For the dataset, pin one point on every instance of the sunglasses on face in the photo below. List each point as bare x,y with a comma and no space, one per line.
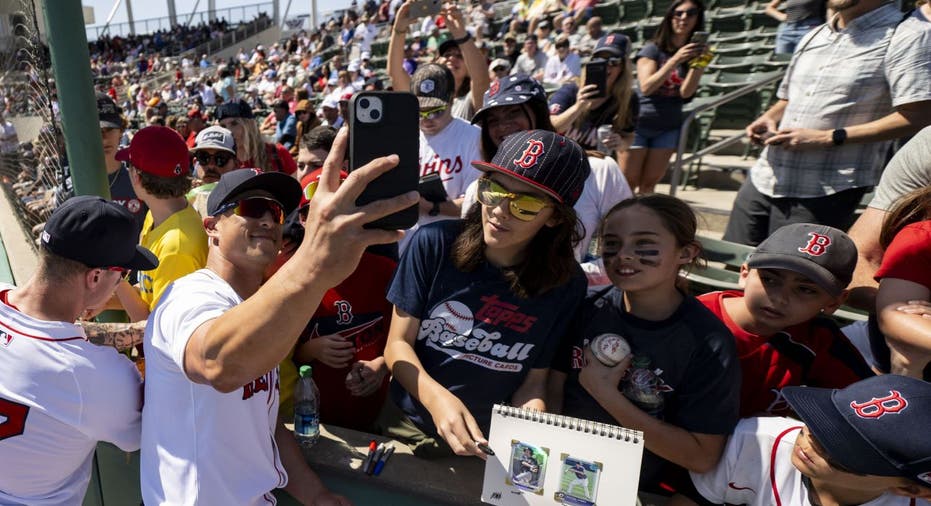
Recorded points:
522,206
254,208
436,112
685,13
221,159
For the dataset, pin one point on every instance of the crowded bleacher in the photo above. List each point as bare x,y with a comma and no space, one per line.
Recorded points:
785,360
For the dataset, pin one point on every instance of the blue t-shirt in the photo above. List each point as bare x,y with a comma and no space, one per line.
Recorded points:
477,338
663,109
585,132
695,354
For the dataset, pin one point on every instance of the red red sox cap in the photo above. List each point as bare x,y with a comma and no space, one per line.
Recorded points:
159,151
543,159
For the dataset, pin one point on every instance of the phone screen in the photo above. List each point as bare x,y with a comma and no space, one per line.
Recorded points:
596,72
699,38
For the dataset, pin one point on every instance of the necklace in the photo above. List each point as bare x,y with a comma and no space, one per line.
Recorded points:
115,178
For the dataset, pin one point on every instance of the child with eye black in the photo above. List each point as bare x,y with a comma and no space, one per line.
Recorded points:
792,282
681,383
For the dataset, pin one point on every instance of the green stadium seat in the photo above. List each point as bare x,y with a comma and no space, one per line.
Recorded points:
725,4
633,11
659,7
740,64
744,49
610,13
727,23
760,19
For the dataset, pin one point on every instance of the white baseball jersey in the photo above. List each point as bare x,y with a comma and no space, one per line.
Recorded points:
59,396
757,469
451,153
200,446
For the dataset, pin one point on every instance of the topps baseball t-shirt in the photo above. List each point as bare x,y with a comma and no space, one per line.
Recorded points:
201,446
476,337
59,396
692,353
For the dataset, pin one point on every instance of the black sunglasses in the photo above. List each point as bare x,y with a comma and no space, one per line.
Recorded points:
687,13
220,158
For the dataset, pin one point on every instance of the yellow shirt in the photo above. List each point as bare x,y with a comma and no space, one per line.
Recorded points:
180,243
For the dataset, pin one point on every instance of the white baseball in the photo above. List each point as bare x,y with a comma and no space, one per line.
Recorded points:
610,349
457,317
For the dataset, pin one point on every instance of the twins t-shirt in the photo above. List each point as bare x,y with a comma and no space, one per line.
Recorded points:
476,338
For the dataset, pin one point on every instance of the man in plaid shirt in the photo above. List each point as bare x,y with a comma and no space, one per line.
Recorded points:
854,84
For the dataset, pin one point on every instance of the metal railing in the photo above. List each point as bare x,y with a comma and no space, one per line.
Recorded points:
232,15
713,103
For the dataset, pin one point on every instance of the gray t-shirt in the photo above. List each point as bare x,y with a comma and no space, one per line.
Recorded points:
909,169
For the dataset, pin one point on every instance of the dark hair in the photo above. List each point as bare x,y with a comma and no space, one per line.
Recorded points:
320,137
663,36
913,207
540,120
164,187
550,264
677,216
56,268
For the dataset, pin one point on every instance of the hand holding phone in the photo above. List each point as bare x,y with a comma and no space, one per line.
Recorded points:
596,72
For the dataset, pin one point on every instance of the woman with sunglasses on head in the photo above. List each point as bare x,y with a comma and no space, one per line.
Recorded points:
251,148
459,54
479,303
666,82
577,113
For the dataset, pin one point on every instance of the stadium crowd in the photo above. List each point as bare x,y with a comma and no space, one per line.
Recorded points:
234,245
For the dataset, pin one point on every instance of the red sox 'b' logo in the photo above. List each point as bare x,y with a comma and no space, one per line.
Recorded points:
817,245
878,407
530,156
343,312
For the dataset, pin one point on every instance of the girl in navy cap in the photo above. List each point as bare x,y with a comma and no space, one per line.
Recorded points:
479,304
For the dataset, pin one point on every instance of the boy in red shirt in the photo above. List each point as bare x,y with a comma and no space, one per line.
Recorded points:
793,280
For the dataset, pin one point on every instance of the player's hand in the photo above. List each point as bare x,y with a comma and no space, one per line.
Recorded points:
456,424
801,139
916,307
596,377
335,236
333,350
366,377
762,129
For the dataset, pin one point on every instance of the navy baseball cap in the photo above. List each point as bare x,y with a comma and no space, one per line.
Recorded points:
240,183
510,90
97,233
235,109
615,44
108,113
823,254
546,160
877,426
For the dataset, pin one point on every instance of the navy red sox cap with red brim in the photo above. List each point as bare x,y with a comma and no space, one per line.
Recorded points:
96,233
614,44
240,183
543,159
877,426
825,255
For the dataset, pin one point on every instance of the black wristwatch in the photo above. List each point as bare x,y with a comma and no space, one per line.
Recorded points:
435,210
839,136
465,38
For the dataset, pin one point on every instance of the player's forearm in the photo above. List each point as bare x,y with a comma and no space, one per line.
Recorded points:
303,483
672,443
122,336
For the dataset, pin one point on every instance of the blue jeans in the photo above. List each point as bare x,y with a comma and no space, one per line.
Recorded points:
788,34
655,139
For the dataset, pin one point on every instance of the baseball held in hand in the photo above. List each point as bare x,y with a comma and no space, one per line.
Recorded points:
610,349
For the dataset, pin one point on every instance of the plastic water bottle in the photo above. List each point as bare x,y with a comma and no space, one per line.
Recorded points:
642,387
306,409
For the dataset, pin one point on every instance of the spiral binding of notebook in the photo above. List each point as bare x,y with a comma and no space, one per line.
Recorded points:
568,422
544,458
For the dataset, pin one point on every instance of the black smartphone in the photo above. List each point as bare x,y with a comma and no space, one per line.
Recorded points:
699,38
431,188
596,72
385,123
425,8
